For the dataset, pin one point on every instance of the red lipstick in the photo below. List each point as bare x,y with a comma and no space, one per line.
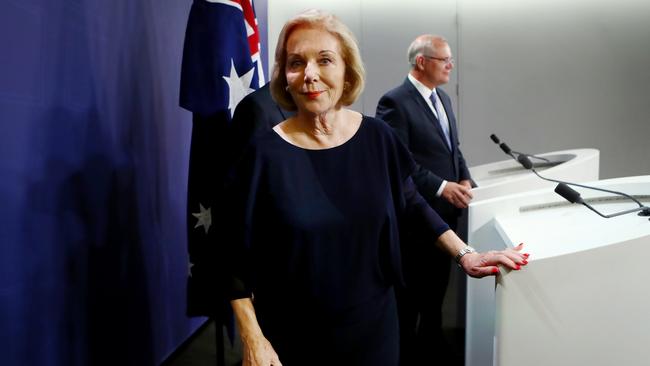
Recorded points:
313,95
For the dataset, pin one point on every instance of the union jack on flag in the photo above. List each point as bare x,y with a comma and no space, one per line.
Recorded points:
221,59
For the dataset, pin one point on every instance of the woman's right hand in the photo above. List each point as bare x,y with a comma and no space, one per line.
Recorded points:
257,351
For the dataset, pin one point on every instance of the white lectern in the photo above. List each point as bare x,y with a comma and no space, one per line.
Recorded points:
508,176
497,180
584,297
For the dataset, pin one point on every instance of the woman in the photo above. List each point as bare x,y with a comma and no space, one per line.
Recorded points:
319,202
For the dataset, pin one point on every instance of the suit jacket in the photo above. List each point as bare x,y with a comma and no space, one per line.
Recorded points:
254,115
418,128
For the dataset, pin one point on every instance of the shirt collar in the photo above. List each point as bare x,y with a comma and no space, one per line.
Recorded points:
421,88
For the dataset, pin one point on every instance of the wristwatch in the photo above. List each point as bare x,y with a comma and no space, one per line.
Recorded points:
462,252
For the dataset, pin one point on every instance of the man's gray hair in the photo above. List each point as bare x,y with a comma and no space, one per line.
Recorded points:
421,44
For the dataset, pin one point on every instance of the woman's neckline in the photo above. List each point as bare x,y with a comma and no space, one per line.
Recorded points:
344,143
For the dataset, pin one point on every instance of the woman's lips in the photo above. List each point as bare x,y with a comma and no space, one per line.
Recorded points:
313,95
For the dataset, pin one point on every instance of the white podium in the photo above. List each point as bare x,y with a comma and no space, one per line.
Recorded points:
497,180
584,297
508,176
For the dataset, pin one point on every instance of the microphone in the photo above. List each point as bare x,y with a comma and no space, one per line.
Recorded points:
568,193
574,197
525,162
506,149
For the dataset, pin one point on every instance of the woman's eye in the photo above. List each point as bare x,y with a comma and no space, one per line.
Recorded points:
325,61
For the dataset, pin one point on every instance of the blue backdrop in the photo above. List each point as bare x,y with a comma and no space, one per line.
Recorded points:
93,167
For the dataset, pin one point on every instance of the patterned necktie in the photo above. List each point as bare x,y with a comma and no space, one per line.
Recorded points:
442,117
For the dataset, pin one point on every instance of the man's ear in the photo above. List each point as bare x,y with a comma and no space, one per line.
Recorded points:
419,62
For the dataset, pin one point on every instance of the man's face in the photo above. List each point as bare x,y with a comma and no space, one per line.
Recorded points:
438,66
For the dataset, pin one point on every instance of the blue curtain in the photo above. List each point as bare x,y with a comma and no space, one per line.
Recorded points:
94,157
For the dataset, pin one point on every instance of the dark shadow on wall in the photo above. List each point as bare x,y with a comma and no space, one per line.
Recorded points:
101,298
98,261
94,195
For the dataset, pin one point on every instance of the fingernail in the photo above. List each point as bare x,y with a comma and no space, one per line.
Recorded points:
518,267
495,270
520,244
524,261
526,255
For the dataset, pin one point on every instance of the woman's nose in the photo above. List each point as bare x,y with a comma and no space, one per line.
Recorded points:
311,73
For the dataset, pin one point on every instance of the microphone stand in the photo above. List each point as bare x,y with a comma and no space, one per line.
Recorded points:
506,149
527,164
573,196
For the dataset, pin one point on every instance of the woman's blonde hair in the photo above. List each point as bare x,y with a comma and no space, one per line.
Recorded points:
354,71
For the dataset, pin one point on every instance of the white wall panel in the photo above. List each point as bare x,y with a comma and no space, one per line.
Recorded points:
549,75
388,28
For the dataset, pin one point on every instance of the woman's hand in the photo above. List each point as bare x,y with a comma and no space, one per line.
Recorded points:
486,264
257,351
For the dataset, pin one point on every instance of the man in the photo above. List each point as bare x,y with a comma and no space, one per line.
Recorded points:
255,114
421,114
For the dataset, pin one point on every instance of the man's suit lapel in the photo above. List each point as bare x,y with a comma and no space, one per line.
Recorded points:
415,94
453,134
446,102
417,97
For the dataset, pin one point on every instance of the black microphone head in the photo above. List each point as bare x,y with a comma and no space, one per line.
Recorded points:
505,148
524,161
568,193
495,138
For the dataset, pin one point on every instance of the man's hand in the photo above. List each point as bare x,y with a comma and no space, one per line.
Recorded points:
458,194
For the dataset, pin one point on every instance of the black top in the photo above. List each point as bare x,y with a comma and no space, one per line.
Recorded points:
320,228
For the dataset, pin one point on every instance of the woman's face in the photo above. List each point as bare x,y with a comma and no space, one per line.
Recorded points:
315,70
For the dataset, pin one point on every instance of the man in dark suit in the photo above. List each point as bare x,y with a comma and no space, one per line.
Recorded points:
255,114
421,114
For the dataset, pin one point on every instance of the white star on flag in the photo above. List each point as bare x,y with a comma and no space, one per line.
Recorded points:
238,86
204,218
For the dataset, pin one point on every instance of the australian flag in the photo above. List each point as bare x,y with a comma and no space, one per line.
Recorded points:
221,65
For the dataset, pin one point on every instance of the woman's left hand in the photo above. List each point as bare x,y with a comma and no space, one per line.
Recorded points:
486,264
